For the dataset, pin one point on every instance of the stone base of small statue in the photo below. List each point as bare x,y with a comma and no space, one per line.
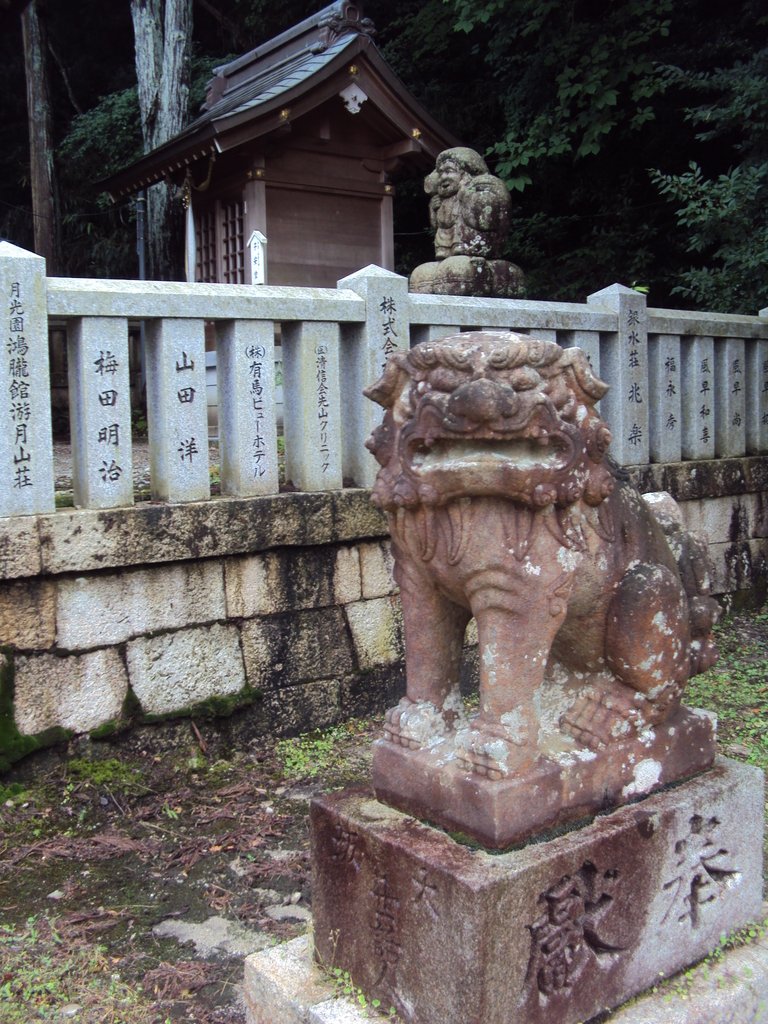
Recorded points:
469,275
553,933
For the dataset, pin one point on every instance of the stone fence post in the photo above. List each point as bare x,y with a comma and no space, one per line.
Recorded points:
26,447
365,348
757,393
624,365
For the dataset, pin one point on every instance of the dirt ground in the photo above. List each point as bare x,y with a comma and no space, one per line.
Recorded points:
178,848
132,843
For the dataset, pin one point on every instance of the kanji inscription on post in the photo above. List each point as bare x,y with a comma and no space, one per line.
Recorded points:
323,406
256,355
19,389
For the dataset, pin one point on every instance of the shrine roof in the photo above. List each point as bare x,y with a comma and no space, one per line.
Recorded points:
265,90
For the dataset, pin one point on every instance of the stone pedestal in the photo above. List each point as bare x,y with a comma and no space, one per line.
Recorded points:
549,934
571,785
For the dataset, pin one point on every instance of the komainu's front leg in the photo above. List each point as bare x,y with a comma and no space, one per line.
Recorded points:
516,626
647,648
434,636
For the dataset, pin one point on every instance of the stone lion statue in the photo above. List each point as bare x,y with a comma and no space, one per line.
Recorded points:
503,506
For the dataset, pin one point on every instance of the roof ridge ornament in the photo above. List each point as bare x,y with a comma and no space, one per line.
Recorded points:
338,20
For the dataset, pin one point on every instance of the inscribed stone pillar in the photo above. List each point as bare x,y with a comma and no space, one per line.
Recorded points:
698,400
176,409
624,363
730,427
26,448
757,396
247,424
665,418
100,419
312,409
367,347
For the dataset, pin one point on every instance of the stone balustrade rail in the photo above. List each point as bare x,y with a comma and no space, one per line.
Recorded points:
684,385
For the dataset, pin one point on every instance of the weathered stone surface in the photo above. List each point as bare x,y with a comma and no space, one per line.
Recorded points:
376,566
294,648
549,934
377,631
332,1011
372,692
175,671
702,478
100,403
26,457
739,566
591,613
247,583
365,347
28,614
732,989
282,984
313,432
108,609
728,990
469,213
280,581
19,547
215,936
726,519
80,540
433,784
625,365
310,705
347,584
78,693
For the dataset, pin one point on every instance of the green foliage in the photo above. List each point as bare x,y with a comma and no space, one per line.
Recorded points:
592,73
41,975
109,773
736,687
724,217
306,756
593,95
726,223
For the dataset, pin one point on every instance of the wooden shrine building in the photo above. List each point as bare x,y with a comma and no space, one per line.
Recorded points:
297,144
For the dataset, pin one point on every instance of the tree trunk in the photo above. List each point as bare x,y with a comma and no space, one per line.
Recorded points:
41,172
163,36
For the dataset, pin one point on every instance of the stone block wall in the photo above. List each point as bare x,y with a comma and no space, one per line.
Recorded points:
726,500
282,608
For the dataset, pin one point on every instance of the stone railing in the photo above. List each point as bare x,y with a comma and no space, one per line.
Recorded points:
683,385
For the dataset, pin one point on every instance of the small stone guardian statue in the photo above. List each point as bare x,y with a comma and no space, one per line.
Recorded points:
469,213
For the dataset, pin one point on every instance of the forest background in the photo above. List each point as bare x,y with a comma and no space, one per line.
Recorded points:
633,134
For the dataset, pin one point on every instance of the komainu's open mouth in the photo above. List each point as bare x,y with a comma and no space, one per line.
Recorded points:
519,454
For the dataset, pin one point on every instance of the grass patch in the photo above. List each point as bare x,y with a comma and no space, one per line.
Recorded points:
736,688
44,978
108,772
323,751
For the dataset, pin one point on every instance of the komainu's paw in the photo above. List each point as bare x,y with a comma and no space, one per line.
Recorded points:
487,750
602,717
420,724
